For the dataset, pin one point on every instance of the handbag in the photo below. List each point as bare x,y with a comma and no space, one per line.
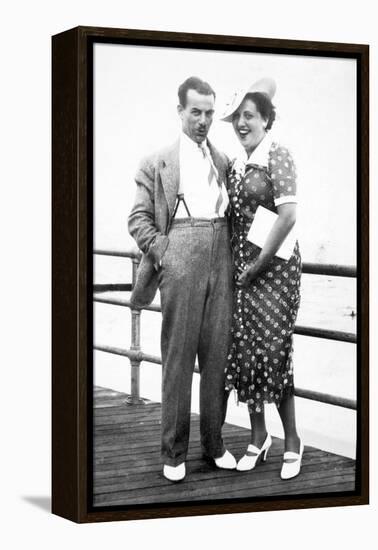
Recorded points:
261,227
146,284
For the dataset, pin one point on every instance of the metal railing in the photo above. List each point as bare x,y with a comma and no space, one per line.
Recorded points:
136,355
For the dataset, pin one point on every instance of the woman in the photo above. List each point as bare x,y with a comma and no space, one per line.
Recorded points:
266,296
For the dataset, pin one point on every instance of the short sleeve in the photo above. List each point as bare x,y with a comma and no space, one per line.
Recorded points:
283,175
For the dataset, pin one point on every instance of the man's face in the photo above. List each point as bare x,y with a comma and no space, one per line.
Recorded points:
197,115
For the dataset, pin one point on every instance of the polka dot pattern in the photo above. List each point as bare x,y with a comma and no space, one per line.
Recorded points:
260,365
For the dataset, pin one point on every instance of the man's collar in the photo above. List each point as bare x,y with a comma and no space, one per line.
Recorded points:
260,155
188,143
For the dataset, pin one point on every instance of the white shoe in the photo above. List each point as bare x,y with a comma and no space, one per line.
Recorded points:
226,461
292,469
174,473
250,459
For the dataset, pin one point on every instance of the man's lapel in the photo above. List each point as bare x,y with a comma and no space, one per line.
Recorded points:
170,175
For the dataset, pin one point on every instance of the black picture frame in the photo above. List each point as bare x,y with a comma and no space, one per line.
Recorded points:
72,267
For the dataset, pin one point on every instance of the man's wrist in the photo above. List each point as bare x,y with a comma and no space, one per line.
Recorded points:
157,249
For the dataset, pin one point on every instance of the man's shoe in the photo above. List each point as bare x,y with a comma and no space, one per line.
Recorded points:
174,473
227,461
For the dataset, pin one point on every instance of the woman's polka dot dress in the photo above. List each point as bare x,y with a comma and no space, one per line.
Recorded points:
260,365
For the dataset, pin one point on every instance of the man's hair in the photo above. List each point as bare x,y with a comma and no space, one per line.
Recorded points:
193,83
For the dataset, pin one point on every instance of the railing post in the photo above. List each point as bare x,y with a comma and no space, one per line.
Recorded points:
135,346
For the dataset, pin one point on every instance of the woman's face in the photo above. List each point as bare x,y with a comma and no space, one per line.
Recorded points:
249,125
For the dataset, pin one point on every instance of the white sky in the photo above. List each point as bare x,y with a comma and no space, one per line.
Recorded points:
135,114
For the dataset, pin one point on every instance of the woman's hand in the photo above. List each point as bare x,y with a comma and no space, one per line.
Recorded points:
278,233
247,275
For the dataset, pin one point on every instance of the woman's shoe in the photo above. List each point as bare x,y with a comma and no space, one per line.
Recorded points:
292,469
253,454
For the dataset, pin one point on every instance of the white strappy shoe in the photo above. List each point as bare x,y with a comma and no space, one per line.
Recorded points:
292,469
253,454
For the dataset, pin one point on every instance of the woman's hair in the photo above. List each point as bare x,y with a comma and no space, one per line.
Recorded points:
264,106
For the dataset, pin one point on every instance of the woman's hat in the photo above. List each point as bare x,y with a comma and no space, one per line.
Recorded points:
264,85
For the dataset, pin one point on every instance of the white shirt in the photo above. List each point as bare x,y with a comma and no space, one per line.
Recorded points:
200,195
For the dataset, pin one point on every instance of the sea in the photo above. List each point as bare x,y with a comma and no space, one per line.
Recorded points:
319,364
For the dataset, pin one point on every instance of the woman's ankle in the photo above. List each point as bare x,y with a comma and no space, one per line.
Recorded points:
258,438
292,442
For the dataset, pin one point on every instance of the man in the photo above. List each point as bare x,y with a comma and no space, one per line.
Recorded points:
178,222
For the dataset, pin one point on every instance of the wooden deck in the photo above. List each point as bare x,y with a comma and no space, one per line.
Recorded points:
127,466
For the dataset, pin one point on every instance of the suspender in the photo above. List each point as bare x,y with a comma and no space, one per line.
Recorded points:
180,198
212,171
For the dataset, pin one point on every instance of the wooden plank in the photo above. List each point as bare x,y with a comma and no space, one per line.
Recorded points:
261,476
196,470
119,445
231,490
197,467
101,405
125,418
188,491
125,458
128,469
132,467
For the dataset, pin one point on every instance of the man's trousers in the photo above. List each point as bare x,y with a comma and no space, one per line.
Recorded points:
195,282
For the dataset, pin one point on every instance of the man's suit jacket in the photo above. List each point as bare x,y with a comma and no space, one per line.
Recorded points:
157,180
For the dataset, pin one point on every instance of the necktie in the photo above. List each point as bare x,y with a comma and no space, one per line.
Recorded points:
212,172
